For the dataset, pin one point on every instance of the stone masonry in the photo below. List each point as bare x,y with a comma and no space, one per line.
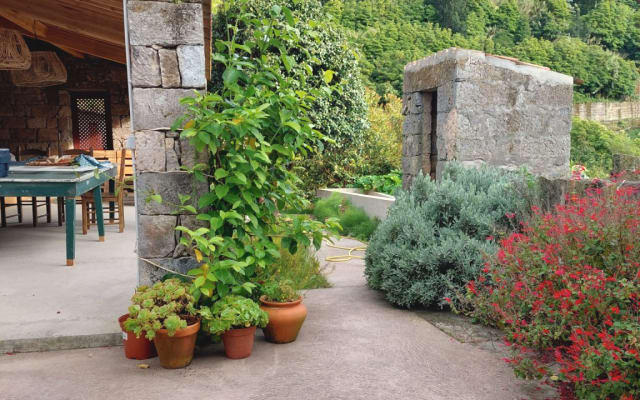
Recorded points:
478,109
167,62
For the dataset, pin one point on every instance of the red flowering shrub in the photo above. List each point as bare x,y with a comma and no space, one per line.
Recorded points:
566,290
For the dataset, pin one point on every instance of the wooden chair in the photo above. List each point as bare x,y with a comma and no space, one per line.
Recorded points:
108,196
60,201
77,152
34,202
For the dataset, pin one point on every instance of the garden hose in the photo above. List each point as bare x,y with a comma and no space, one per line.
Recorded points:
346,257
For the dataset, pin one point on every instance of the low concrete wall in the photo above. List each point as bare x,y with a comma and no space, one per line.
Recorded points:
374,204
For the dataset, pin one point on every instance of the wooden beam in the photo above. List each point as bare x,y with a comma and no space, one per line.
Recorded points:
71,42
5,23
99,19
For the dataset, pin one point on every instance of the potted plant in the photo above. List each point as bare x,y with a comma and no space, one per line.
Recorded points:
235,318
286,312
165,313
137,348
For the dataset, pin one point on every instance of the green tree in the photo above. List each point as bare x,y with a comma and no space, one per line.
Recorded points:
609,23
551,19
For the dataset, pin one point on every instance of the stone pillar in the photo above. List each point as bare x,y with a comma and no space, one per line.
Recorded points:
167,61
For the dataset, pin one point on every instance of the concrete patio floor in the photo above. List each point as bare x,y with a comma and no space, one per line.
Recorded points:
46,305
354,345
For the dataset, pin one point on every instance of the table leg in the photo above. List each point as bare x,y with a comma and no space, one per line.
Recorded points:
3,215
60,203
112,205
97,203
70,211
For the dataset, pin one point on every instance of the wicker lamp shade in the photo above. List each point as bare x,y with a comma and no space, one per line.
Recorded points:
46,70
14,53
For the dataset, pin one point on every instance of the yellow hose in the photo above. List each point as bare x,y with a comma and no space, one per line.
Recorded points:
346,257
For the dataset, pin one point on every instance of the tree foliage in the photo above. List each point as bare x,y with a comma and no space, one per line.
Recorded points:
574,37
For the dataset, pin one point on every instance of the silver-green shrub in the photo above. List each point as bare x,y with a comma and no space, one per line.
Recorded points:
437,234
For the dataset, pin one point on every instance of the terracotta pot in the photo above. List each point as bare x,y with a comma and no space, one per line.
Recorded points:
238,343
285,319
136,348
176,351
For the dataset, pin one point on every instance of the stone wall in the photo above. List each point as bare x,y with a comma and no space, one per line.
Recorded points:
31,117
477,109
608,113
167,61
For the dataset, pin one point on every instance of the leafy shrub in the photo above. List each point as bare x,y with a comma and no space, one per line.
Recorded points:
592,145
568,286
232,312
165,305
388,183
353,220
435,236
281,291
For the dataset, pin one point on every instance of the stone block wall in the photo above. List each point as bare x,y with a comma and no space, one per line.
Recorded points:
167,62
608,113
31,117
477,109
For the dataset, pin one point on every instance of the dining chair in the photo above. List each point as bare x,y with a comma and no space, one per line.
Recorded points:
34,202
60,200
116,196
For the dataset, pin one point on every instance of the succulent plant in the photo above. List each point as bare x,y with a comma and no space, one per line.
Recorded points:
165,305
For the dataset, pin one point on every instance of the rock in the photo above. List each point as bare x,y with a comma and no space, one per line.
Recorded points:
192,68
156,235
157,108
188,156
168,185
150,151
145,67
165,24
173,164
169,68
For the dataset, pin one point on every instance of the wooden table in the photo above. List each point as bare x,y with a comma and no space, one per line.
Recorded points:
67,182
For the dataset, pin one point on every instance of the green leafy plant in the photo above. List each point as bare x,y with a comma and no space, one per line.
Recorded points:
281,291
352,220
165,305
436,235
252,127
232,312
388,183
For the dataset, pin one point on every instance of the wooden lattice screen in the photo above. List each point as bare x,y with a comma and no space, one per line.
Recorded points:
91,114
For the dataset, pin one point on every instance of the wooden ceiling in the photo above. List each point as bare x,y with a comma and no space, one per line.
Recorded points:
79,27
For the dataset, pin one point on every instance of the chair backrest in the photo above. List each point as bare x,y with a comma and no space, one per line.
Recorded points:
120,158
77,152
30,153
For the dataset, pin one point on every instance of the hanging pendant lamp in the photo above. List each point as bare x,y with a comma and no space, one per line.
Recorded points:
46,70
14,53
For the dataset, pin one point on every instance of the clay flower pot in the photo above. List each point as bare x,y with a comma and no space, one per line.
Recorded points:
176,351
285,320
238,343
136,348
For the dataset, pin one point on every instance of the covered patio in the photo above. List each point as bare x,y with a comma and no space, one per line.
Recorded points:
123,76
46,305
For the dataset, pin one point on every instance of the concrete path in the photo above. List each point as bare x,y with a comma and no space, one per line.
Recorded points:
43,302
354,345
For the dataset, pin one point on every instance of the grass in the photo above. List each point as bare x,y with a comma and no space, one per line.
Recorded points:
302,268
